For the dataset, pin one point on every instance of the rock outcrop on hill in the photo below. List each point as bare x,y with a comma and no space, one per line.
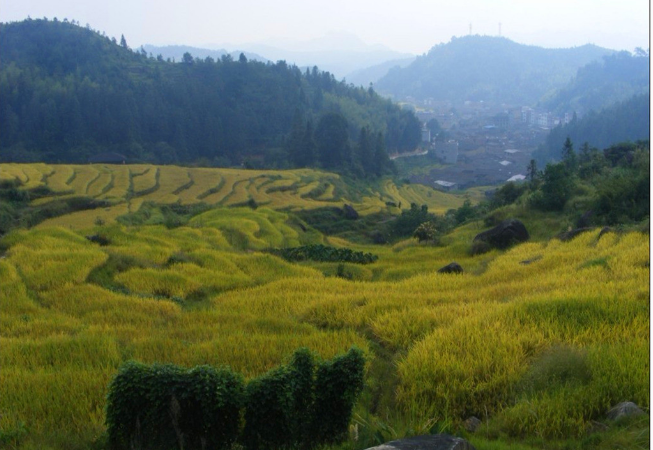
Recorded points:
507,233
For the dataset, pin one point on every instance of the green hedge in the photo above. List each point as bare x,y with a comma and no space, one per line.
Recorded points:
303,405
165,407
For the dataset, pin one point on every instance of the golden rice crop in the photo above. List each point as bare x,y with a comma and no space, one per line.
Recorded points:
13,172
101,184
145,181
171,179
84,176
203,181
81,220
120,183
60,180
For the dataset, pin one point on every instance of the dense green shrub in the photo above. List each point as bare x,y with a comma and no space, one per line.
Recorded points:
410,219
165,406
324,253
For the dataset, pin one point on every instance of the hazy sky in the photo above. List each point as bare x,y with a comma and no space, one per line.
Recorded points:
405,25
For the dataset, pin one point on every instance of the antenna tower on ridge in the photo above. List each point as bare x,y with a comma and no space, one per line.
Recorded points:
499,28
470,28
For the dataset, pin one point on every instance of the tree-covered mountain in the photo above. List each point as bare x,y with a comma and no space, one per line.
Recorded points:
492,69
623,121
68,92
615,78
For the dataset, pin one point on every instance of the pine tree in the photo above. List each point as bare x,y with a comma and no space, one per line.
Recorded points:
569,156
531,172
294,141
365,154
382,162
308,145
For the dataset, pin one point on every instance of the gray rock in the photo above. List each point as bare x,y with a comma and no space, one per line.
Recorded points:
569,235
624,409
430,442
350,212
507,233
472,424
452,267
603,231
529,261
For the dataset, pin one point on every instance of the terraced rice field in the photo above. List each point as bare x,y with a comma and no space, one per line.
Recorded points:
539,340
127,187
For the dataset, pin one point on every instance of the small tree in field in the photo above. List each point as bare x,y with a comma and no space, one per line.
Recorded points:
426,232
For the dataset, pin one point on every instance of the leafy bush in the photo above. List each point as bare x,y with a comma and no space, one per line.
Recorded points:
426,232
409,220
324,253
151,407
557,186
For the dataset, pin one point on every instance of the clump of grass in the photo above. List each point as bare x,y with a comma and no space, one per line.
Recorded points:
557,366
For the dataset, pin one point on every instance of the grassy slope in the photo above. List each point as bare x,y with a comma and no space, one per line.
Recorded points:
448,346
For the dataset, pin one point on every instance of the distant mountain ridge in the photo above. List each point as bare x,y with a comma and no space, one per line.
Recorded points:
176,52
338,53
363,77
492,69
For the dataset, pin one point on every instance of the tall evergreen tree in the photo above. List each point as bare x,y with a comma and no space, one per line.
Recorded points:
382,162
332,139
308,145
365,153
294,141
569,156
531,172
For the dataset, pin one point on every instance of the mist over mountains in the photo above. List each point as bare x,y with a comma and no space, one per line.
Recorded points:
342,54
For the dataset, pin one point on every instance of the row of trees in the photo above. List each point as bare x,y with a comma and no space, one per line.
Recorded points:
67,93
329,146
622,121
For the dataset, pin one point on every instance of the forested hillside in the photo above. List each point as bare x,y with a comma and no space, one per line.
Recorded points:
624,121
68,93
602,83
490,69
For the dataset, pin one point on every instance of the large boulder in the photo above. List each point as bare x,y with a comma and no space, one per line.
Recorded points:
507,233
349,212
452,267
624,409
430,442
